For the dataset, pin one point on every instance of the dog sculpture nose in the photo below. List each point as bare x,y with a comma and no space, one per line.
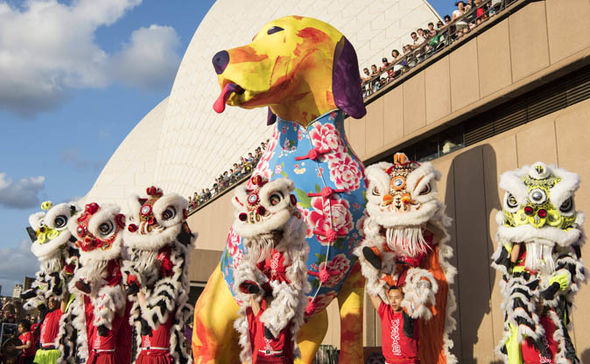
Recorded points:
220,61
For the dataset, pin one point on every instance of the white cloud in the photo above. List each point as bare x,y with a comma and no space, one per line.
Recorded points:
47,48
149,60
16,264
20,194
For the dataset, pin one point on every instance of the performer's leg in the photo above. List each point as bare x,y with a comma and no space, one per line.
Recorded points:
350,301
214,338
311,336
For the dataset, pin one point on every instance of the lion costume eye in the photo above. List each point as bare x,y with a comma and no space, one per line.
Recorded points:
274,29
375,191
275,198
567,206
60,221
106,228
425,190
169,213
511,201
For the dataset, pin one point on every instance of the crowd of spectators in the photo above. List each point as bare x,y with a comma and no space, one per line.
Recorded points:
239,170
425,42
19,332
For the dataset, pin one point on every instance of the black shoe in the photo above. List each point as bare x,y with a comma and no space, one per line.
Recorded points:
372,258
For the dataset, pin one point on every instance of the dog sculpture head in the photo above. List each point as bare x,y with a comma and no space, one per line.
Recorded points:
299,67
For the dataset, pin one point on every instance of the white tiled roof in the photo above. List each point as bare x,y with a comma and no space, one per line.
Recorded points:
195,144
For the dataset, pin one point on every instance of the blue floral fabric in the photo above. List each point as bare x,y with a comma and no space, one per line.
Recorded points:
330,189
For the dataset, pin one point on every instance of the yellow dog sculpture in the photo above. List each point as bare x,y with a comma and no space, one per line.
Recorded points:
301,68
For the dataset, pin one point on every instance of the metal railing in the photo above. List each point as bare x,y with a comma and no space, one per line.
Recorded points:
452,32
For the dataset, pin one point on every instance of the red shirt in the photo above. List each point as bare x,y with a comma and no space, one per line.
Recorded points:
530,354
50,328
160,337
24,338
95,341
396,346
279,350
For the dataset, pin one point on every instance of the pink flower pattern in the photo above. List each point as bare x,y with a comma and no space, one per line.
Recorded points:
233,242
345,172
320,302
327,137
336,268
319,218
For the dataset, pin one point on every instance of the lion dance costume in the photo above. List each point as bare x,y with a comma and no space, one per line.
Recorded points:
406,246
306,72
273,271
159,243
58,257
100,319
539,237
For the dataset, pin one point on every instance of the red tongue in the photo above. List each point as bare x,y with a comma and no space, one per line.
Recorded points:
219,105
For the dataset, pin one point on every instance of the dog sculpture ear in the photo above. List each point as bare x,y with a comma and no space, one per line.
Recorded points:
346,80
271,118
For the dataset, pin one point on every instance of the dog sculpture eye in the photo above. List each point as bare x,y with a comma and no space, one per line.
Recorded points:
60,221
274,29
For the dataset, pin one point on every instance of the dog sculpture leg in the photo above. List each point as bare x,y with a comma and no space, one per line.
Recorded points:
311,335
214,337
350,300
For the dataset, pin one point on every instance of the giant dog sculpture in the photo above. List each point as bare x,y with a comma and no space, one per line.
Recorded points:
306,72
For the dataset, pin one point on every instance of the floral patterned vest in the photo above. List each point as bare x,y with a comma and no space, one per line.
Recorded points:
330,189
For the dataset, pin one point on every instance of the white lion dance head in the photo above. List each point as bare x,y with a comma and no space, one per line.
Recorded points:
52,245
401,199
265,213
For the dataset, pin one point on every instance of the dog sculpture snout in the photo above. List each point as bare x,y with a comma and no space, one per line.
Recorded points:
220,61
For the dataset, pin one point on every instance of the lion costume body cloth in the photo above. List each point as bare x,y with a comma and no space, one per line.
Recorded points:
159,243
406,246
306,73
99,312
539,256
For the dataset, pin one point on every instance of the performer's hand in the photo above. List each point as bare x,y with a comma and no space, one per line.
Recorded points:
141,299
145,328
268,334
82,286
102,330
372,258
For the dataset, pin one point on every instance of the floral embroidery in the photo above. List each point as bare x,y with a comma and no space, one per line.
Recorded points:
323,209
345,172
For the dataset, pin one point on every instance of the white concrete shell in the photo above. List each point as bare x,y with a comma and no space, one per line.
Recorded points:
191,143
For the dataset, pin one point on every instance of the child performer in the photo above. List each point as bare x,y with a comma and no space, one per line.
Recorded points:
399,332
26,338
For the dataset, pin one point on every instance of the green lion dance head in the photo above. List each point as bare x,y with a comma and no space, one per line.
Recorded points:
538,210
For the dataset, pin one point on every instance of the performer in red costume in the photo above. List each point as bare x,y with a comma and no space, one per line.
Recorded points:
48,352
156,275
271,279
26,338
99,309
399,332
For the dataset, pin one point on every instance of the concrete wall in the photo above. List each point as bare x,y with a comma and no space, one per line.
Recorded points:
507,56
530,46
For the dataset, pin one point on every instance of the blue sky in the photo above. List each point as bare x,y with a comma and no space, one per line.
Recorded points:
75,78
